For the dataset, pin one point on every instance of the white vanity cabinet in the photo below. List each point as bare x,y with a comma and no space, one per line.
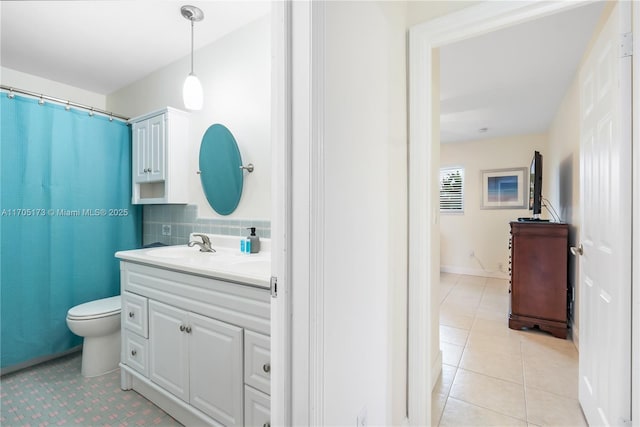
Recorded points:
159,157
198,359
206,360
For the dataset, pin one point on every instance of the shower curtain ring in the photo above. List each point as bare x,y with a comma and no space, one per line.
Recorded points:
41,102
91,112
67,107
11,95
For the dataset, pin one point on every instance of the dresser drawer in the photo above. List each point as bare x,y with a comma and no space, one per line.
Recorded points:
257,408
257,361
135,352
134,314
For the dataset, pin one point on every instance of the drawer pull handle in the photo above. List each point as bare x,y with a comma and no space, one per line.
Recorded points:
131,314
266,367
134,352
182,328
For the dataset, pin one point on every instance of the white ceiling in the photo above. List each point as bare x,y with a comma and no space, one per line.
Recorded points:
102,46
513,80
509,81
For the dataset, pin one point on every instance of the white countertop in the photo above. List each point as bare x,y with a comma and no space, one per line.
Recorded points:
227,263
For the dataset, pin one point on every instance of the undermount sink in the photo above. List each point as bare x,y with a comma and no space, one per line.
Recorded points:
227,263
177,252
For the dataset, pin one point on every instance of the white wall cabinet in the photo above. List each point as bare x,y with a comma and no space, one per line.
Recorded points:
149,149
159,157
206,360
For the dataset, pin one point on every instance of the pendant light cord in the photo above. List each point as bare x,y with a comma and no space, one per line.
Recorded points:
191,45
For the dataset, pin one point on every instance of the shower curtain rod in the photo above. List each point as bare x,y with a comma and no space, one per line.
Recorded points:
62,101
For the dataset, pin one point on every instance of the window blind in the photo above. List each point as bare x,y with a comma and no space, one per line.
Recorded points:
451,190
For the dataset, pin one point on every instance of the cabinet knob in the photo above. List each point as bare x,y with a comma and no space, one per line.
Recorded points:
182,328
188,329
131,314
266,425
134,352
266,367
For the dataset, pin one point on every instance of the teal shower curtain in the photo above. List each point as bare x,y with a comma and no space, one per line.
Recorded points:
65,206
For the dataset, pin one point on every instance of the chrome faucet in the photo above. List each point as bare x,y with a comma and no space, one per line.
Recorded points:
205,246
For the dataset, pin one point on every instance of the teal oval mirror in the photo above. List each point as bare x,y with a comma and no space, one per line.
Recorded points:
220,169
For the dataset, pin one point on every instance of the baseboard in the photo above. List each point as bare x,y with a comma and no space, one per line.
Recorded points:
473,272
436,369
575,337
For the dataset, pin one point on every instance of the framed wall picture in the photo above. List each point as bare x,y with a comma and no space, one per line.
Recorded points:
504,189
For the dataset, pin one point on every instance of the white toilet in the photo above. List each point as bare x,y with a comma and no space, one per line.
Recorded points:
99,323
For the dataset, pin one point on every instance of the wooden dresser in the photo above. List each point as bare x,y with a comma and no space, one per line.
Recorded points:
538,267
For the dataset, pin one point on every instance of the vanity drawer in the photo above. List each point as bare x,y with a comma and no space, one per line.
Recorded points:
257,408
134,314
135,352
257,361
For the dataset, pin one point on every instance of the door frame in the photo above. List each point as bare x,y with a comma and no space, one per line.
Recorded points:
424,155
297,231
635,218
281,212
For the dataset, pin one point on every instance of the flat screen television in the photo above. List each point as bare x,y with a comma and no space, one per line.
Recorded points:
535,185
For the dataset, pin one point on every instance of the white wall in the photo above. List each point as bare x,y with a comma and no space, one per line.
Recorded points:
563,162
31,83
485,231
235,72
563,165
365,215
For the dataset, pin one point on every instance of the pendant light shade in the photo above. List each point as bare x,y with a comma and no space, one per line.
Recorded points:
192,93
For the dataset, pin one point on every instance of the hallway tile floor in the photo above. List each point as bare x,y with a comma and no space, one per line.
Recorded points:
55,394
493,375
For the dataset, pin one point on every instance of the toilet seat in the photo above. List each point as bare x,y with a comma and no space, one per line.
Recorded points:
95,309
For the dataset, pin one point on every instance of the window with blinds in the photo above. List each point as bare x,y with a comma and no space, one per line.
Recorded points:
451,190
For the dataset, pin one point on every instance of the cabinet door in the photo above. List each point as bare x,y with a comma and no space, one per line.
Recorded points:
257,408
140,143
168,349
157,148
216,369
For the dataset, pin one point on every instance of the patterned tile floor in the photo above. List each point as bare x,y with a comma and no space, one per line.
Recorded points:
55,394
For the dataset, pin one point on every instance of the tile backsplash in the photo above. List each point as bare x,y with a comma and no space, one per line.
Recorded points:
171,224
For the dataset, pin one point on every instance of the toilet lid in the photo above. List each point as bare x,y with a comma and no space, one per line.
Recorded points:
98,308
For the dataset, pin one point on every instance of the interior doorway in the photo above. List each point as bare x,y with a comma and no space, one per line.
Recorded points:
424,216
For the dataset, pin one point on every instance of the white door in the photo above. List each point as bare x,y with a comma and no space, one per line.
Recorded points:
605,267
215,372
157,148
140,137
168,349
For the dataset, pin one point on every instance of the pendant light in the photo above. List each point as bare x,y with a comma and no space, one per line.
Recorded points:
192,88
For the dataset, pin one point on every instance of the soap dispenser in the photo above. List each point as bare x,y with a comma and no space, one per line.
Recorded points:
255,240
